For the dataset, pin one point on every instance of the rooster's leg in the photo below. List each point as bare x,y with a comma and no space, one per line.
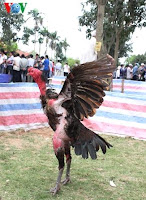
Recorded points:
60,157
68,163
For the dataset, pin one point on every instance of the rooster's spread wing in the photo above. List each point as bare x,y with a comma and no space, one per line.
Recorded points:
84,87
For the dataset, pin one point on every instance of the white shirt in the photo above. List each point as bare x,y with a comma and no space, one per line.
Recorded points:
118,72
16,65
58,66
23,63
129,73
10,60
50,65
30,62
2,58
66,68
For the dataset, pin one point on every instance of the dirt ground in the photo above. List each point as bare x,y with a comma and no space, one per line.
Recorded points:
16,141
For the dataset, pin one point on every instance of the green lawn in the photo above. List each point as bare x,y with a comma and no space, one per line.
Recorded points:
29,168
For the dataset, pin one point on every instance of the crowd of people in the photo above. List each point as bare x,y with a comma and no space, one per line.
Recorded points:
17,65
130,72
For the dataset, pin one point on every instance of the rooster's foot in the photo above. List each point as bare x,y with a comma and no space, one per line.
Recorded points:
55,189
67,180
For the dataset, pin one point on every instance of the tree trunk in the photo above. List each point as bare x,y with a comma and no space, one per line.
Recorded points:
99,29
39,48
46,46
116,53
35,41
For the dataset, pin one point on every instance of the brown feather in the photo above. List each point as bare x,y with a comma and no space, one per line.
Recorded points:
85,84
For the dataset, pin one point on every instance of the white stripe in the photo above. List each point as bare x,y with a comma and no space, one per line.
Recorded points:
131,84
121,111
119,135
130,90
21,112
24,126
19,89
57,79
124,100
119,122
19,101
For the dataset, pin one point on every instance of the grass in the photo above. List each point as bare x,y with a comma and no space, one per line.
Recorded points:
28,169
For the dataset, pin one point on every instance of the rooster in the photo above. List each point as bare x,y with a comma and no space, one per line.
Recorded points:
80,96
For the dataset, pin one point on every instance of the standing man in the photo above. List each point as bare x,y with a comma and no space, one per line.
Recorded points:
10,62
30,64
58,68
16,69
46,70
129,71
135,72
66,69
37,61
3,59
141,72
23,67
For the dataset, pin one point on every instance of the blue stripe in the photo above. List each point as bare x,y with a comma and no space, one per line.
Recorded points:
18,85
128,96
20,106
59,77
136,92
123,117
138,83
55,86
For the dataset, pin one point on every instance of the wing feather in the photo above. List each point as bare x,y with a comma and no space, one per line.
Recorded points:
85,86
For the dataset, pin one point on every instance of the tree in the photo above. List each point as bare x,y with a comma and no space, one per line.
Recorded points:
65,45
140,58
41,34
8,48
59,52
10,25
40,40
35,30
54,38
120,20
99,27
72,62
46,35
27,32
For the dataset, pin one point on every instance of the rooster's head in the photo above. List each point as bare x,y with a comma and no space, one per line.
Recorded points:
38,78
35,73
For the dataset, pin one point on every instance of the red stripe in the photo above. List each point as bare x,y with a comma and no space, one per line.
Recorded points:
55,82
124,106
130,87
19,95
112,128
22,119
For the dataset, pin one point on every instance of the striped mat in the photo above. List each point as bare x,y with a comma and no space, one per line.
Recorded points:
121,113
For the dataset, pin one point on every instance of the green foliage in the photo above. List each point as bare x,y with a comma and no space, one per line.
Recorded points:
27,32
140,58
72,62
10,25
9,47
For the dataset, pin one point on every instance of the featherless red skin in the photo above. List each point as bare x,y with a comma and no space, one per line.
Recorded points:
57,143
36,74
51,102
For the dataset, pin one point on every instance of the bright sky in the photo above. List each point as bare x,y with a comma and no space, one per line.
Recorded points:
62,16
